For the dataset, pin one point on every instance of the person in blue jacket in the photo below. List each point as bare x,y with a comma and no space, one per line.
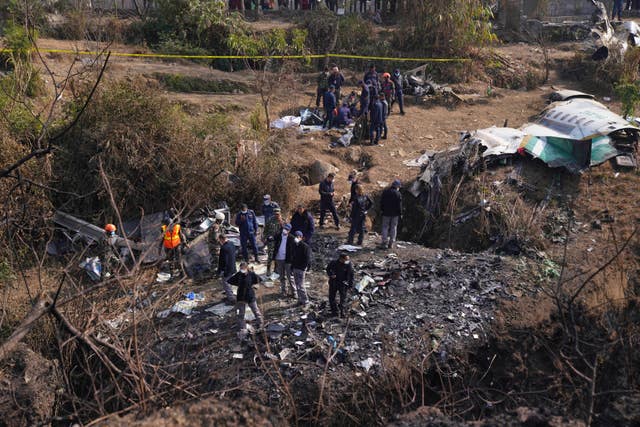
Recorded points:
376,121
248,224
344,116
329,103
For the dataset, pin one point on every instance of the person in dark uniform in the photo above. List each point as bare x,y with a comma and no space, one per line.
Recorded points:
327,192
359,207
340,274
244,280
329,104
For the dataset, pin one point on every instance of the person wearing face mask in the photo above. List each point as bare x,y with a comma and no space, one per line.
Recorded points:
340,274
248,224
268,207
272,228
283,248
301,263
302,220
244,280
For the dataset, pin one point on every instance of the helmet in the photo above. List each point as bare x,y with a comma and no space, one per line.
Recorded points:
386,75
110,228
219,216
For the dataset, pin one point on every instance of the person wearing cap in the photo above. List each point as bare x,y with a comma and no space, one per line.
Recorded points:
327,192
226,266
375,121
391,208
267,207
283,247
245,279
303,221
364,99
248,224
340,272
272,228
329,104
300,263
215,231
372,76
359,207
110,249
399,96
336,79
173,239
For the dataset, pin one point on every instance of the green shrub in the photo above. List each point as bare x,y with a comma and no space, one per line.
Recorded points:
445,26
629,94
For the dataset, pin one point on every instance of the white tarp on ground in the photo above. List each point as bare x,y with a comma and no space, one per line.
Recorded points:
286,122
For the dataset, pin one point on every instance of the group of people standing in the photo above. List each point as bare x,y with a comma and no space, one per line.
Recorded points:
378,94
288,246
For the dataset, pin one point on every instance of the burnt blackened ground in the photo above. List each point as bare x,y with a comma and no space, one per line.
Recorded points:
416,301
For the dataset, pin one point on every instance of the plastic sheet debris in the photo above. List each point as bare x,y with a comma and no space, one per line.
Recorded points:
349,248
421,161
220,309
163,277
163,314
362,284
286,122
284,353
313,128
237,356
367,364
310,118
192,296
93,267
345,140
185,307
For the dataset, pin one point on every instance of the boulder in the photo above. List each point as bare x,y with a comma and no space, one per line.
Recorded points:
319,171
28,387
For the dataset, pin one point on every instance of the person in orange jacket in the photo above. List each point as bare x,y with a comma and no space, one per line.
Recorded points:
172,239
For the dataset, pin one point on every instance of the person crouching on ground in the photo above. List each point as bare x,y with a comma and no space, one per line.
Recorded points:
244,280
344,116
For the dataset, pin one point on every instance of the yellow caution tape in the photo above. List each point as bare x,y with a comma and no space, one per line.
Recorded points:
173,56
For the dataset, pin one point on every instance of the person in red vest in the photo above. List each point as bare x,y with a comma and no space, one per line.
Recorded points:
172,239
